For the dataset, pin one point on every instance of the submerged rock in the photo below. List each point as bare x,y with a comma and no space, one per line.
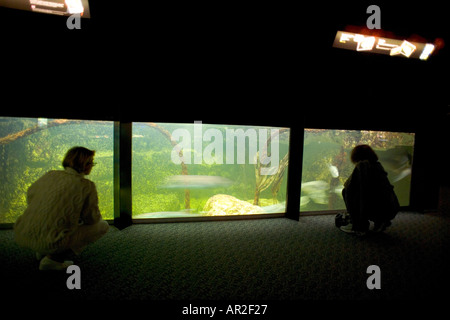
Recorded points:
223,204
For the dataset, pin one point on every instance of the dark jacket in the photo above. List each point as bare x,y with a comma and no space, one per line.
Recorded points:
369,195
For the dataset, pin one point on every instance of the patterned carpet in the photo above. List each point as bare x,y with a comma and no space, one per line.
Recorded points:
268,259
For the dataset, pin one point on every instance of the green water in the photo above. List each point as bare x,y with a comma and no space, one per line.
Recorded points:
153,165
218,171
25,159
30,147
327,152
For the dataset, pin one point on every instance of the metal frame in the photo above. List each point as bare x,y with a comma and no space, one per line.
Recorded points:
122,174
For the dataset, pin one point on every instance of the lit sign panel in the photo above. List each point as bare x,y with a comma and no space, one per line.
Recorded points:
393,47
58,7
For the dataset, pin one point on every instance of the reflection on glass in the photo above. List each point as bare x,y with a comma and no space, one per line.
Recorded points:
194,170
30,147
327,165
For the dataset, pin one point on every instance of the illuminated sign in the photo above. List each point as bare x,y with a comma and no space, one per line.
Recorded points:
393,47
57,7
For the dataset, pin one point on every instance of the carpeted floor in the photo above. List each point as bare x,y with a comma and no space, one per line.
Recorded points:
269,259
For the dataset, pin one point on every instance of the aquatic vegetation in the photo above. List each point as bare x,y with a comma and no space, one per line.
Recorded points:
239,176
172,177
30,147
326,164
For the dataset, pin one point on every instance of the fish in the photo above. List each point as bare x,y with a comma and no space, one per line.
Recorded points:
397,164
316,191
338,189
333,170
279,207
195,182
304,200
403,174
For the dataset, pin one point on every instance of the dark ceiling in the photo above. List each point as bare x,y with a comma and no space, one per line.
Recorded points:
219,62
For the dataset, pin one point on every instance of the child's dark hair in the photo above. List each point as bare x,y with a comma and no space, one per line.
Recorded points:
363,152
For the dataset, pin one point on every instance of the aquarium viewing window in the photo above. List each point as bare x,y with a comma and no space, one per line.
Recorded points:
327,165
30,147
194,170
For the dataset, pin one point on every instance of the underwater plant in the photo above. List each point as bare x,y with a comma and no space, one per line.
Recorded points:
326,164
30,147
264,181
184,169
204,179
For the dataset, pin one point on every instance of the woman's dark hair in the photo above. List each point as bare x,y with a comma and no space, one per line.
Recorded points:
363,152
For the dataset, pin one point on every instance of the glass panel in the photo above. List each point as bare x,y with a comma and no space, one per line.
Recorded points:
194,170
327,165
29,147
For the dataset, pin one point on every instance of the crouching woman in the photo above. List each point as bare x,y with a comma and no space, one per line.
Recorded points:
62,215
368,194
